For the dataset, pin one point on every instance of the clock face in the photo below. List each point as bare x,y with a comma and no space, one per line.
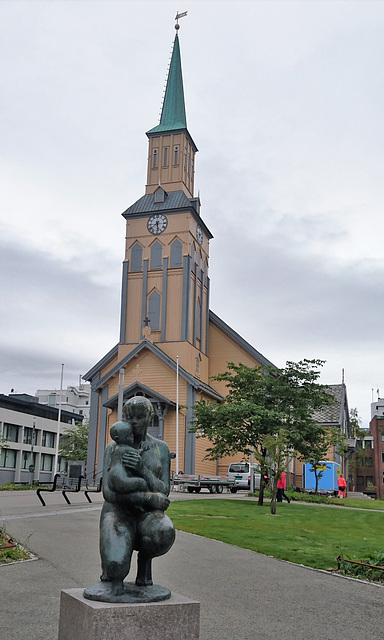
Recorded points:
157,224
199,235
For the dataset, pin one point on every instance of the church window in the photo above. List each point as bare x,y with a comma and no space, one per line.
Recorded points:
165,156
154,166
136,257
176,154
193,252
198,320
156,255
199,259
154,311
176,254
189,165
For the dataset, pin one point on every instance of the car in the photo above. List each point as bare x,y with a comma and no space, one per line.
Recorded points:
240,471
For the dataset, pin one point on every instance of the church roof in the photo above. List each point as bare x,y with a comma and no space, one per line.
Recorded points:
173,200
173,116
333,414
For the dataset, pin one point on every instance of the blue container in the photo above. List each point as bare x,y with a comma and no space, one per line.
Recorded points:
328,480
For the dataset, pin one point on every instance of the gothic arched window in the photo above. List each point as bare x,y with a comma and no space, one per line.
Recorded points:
136,257
176,254
156,255
154,310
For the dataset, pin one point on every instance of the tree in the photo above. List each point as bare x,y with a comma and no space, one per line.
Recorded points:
73,443
263,402
3,443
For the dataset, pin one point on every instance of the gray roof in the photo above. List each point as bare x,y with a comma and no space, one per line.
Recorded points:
174,202
334,413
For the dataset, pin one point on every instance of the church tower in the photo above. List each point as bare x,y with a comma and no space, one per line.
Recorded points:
165,291
170,343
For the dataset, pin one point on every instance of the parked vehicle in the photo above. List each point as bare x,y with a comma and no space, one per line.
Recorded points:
195,483
241,474
328,481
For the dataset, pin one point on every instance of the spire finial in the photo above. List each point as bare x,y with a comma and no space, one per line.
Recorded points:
179,15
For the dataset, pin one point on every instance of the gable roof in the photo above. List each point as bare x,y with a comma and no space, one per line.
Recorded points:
112,402
334,413
146,344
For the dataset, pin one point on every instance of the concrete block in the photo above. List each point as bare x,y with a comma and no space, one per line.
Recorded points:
80,619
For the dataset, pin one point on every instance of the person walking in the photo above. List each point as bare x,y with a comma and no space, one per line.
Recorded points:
281,489
342,484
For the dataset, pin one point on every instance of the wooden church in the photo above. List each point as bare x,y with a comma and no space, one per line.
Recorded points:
171,343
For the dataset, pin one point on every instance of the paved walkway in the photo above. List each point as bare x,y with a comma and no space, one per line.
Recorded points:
243,595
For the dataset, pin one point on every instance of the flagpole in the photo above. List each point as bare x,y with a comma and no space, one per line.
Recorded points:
177,414
58,424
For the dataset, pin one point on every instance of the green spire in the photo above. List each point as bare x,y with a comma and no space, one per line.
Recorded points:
173,115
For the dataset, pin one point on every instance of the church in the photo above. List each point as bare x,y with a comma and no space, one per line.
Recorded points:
171,343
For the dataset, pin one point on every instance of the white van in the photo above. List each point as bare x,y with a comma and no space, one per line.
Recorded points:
240,471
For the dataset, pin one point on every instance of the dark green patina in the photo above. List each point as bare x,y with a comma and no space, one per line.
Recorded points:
136,485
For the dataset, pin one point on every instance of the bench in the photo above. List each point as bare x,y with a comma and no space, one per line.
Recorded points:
63,485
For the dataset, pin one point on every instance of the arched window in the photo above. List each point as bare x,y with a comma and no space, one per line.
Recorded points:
154,165
156,255
136,257
176,154
199,259
176,253
193,252
154,310
198,320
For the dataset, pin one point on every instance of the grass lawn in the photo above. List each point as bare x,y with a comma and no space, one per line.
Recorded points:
305,534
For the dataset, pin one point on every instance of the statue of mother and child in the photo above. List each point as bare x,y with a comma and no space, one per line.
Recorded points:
136,485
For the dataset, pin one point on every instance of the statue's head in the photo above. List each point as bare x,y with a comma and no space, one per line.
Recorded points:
122,433
139,412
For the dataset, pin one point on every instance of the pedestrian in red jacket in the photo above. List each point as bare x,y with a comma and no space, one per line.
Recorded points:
342,484
280,489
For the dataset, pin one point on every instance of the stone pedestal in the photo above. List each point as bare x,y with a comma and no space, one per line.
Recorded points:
175,619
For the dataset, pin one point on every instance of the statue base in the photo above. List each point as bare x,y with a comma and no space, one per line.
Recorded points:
177,618
101,592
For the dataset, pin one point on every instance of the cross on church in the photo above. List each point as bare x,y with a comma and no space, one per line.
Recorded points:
146,321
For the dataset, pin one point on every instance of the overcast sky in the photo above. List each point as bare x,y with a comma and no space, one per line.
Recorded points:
285,102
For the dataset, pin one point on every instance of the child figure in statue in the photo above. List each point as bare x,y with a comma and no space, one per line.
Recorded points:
136,484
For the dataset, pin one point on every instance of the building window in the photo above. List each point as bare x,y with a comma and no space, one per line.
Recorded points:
176,254
46,462
382,437
28,433
165,156
154,165
8,458
368,462
52,400
368,444
154,311
360,481
156,255
382,457
176,154
11,432
48,439
159,195
136,257
369,479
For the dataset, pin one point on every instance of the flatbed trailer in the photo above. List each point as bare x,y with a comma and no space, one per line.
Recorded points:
195,483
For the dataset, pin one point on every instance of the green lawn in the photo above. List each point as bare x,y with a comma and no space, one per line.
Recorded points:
306,534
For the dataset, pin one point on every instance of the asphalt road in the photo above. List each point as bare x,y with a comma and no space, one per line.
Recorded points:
243,595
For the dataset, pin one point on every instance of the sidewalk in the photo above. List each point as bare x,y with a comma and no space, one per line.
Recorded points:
243,595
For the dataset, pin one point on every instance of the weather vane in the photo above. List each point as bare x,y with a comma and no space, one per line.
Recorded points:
179,15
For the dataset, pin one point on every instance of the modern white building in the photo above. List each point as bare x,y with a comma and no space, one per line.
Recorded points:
377,408
30,430
73,399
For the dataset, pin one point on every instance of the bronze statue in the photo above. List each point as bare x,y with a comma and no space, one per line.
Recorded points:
136,485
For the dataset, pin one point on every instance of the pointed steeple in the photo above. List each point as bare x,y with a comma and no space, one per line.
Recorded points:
173,115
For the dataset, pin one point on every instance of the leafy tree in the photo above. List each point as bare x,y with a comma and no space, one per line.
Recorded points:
74,442
264,402
3,443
